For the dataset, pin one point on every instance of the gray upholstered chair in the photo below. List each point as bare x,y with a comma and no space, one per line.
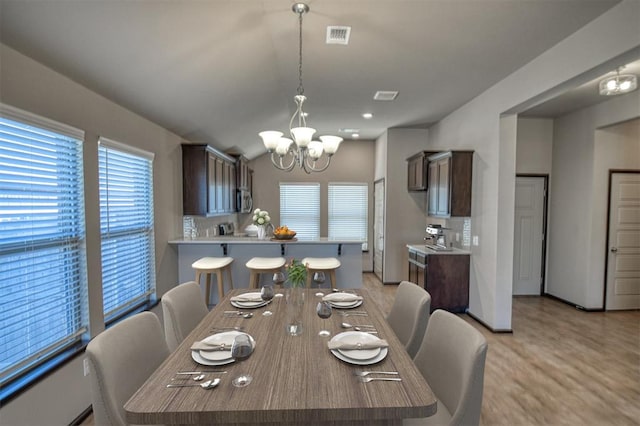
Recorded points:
121,359
183,307
451,359
409,315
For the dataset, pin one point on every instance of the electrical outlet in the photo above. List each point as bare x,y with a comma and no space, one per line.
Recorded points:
457,237
476,242
85,365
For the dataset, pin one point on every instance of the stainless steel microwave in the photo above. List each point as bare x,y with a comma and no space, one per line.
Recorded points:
245,202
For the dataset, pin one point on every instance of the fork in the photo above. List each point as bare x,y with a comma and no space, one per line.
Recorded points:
382,379
227,328
366,373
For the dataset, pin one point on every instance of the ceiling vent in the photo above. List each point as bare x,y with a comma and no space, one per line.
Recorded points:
338,35
385,95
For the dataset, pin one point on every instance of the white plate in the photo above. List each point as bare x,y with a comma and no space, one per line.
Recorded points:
357,336
249,305
218,357
346,305
380,357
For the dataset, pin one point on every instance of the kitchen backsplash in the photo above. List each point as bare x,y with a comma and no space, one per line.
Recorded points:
462,227
201,227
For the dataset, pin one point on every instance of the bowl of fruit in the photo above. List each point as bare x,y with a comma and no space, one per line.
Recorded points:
283,233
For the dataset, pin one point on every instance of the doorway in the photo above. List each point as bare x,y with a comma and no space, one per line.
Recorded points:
378,228
530,235
622,287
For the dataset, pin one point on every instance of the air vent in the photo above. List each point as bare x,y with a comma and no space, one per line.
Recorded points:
338,35
385,95
348,130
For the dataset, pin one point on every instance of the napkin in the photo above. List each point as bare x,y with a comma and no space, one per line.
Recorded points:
355,345
204,346
341,297
246,298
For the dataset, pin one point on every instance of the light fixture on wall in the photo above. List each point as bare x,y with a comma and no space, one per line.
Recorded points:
618,84
300,148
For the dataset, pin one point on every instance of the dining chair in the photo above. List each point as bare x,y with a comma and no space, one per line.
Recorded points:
121,358
451,359
183,307
409,315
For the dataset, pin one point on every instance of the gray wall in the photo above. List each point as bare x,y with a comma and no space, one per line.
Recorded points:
25,84
534,150
354,162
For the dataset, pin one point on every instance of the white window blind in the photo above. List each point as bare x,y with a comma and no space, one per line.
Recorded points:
348,212
126,227
300,209
43,290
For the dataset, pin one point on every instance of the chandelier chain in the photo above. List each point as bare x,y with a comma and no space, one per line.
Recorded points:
300,86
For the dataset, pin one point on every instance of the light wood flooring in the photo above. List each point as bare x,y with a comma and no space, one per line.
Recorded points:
560,366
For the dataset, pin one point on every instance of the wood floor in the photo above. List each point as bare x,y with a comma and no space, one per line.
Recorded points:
560,366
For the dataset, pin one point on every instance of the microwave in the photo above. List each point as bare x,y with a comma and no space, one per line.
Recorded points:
245,202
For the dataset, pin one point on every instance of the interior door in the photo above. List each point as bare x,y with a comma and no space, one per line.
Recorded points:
378,228
528,247
623,258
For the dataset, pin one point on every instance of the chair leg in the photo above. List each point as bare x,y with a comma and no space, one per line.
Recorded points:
332,275
220,284
228,268
253,279
208,291
309,275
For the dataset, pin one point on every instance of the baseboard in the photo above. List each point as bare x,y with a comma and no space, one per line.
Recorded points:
578,307
488,327
82,417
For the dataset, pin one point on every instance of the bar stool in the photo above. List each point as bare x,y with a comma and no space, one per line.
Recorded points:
321,264
263,265
213,265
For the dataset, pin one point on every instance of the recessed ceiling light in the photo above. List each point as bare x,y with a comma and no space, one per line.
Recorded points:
367,115
355,135
348,130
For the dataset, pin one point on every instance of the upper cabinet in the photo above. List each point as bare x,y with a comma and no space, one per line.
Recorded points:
208,181
243,173
417,179
449,182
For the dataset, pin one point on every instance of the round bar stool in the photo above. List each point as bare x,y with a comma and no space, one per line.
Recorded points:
263,265
213,265
321,264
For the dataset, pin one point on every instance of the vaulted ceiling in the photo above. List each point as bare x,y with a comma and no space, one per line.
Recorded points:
220,71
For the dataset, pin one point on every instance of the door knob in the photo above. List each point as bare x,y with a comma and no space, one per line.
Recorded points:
614,249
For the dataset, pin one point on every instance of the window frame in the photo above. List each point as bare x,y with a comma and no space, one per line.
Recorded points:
291,220
365,208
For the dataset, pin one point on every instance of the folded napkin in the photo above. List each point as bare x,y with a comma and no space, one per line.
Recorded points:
355,345
204,346
246,298
341,297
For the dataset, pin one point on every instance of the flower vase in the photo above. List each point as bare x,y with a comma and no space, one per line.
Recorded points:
262,232
294,298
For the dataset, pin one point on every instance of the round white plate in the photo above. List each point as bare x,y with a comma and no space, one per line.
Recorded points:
198,358
218,357
346,305
249,305
357,336
380,357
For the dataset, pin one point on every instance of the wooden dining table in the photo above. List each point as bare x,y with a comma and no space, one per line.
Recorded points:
296,379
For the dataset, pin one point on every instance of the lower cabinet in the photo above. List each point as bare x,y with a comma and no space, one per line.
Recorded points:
444,276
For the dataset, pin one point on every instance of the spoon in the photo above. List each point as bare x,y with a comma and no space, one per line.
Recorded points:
209,384
355,327
196,378
240,314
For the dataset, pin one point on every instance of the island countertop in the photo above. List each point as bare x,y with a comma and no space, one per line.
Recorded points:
422,248
232,239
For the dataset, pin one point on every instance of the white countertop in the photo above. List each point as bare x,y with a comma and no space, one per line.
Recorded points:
254,240
422,248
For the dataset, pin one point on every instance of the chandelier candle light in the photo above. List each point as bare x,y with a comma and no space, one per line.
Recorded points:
302,150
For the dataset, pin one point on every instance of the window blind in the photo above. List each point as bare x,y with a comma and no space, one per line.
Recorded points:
43,290
348,212
126,227
300,209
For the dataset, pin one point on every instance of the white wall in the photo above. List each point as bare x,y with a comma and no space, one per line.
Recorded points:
582,158
534,146
27,85
476,126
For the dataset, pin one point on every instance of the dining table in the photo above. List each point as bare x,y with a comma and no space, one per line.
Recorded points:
296,379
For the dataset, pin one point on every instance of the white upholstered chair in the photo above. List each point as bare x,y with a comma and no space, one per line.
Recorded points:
451,359
121,358
183,307
409,315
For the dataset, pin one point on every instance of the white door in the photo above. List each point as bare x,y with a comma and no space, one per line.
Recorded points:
378,228
528,247
623,259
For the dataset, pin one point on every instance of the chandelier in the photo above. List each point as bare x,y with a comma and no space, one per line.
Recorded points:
618,84
300,149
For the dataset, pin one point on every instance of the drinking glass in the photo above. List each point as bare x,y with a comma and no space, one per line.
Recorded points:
241,349
267,293
324,311
278,278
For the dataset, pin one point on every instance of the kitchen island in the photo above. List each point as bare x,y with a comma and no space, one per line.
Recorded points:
241,249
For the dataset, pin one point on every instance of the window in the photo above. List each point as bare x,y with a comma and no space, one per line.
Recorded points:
126,227
43,284
348,207
300,209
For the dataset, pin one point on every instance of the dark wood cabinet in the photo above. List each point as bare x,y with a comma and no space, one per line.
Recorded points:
208,181
444,276
243,174
449,183
417,178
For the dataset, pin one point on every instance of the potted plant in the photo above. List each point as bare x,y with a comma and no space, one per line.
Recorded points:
261,219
